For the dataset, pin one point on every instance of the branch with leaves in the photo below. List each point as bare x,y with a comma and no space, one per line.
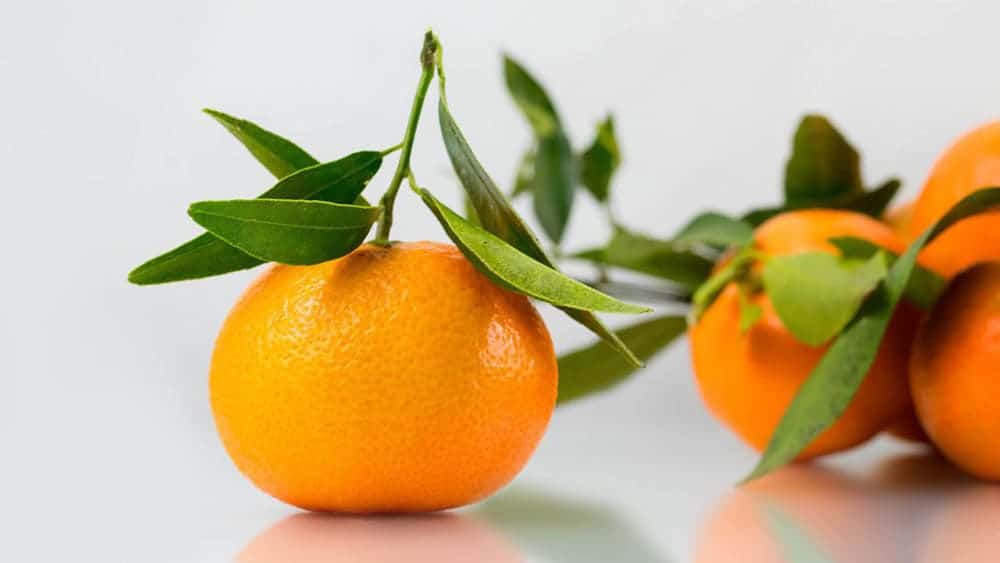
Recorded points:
316,212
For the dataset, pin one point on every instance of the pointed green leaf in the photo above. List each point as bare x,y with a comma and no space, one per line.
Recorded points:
872,203
340,181
498,217
493,209
555,165
514,270
827,392
554,184
288,231
529,95
525,178
823,165
599,367
816,294
647,255
599,162
279,155
716,229
925,285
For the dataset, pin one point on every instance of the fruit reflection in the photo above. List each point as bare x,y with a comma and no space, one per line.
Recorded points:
430,538
966,530
801,513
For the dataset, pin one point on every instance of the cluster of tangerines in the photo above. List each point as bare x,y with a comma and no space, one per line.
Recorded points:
935,377
388,376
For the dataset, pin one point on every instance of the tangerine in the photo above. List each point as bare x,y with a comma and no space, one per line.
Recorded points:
954,371
748,378
394,379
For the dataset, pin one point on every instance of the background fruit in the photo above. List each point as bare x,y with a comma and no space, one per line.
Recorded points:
906,427
393,379
954,371
971,163
748,379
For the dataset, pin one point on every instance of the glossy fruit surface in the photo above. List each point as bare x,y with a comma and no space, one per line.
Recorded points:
395,379
748,379
955,372
971,163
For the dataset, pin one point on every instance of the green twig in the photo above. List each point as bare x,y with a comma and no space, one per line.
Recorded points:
427,59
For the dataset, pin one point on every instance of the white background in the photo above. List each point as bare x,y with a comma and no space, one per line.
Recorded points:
109,452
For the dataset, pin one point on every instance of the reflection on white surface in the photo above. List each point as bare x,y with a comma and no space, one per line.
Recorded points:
566,530
427,538
909,508
511,527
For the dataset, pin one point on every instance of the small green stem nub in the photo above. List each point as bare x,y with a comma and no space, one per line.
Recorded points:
427,59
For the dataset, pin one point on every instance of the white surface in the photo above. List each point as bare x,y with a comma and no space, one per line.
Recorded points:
108,448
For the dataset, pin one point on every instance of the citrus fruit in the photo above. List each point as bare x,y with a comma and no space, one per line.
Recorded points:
955,371
748,378
906,427
972,162
394,379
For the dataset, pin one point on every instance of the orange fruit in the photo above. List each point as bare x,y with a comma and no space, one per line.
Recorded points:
326,538
972,162
748,379
955,372
899,218
906,427
394,379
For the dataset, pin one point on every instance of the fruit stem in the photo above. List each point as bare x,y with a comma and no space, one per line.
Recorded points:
427,59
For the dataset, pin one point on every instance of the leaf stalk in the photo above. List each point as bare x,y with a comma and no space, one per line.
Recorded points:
427,58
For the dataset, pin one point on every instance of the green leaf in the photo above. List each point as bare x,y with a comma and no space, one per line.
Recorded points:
470,212
599,367
498,217
830,387
279,155
925,285
750,312
554,184
816,294
653,257
531,98
555,165
340,181
872,203
294,232
493,209
514,270
823,165
599,162
707,292
716,229
525,178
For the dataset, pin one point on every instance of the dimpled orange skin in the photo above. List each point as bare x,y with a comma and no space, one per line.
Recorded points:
972,162
394,379
955,372
747,380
